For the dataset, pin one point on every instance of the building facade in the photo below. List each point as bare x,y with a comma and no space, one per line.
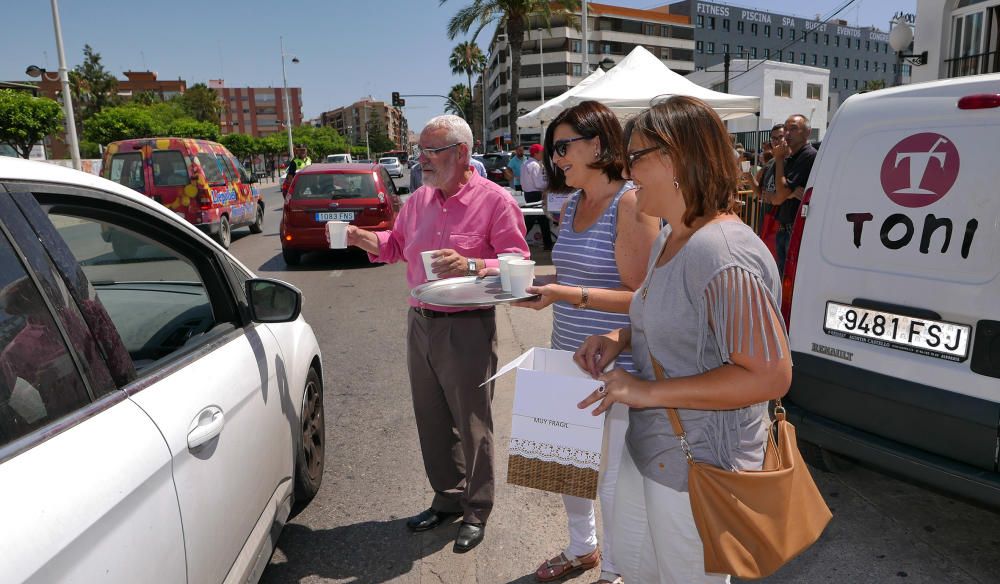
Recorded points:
961,37
257,111
552,60
784,89
855,56
351,121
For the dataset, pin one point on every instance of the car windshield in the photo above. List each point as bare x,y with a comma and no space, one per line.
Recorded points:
388,161
494,162
334,186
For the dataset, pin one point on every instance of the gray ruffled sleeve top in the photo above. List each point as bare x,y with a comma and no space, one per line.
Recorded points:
706,302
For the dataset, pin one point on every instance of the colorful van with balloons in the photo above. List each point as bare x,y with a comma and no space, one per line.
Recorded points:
197,179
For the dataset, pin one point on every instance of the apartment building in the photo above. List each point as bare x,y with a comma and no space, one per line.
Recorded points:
256,111
552,60
855,56
351,121
961,37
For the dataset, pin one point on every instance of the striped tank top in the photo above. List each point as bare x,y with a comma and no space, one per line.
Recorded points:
587,258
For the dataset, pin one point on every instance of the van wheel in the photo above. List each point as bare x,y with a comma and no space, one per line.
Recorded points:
310,459
258,223
291,257
225,234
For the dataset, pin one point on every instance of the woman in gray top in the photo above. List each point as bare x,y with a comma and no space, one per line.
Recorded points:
707,311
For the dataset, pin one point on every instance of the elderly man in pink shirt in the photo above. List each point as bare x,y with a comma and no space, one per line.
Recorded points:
468,220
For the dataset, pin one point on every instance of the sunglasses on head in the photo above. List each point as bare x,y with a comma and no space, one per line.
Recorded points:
561,146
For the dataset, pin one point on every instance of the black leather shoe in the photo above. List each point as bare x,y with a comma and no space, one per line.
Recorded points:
469,536
429,519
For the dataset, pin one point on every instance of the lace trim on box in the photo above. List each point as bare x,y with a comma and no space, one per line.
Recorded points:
558,454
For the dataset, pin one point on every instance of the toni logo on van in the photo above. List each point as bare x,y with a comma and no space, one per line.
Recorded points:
920,169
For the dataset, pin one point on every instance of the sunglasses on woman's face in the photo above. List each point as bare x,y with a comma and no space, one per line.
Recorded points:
560,146
632,157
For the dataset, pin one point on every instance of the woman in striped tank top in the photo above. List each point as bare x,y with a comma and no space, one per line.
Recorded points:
600,258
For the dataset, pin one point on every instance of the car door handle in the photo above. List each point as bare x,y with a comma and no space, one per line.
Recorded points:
207,426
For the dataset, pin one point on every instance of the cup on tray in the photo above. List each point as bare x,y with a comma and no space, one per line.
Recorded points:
505,269
522,275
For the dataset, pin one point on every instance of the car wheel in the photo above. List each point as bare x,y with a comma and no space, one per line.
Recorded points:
291,257
258,223
310,458
225,234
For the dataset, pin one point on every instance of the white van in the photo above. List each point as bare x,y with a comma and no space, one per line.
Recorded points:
338,159
895,308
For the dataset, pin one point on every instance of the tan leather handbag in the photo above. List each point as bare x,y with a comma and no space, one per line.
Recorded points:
752,522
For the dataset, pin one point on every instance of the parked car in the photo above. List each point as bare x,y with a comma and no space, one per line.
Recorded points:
362,194
892,286
496,163
197,179
363,161
392,166
162,413
338,159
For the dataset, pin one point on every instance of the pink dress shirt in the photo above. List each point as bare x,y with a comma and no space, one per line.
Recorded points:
480,221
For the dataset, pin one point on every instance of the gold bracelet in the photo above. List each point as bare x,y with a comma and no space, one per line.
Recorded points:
584,298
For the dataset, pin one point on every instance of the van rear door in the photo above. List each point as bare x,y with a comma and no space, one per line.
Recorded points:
895,321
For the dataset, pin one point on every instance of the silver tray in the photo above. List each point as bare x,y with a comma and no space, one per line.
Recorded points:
465,291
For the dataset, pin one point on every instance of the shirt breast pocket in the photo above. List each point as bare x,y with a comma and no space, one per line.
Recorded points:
468,244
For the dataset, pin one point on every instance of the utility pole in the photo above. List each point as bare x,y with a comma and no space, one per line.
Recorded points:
74,143
725,68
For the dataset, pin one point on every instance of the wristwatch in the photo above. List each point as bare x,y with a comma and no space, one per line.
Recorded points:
472,267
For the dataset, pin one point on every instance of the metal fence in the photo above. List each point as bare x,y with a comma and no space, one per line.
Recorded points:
753,141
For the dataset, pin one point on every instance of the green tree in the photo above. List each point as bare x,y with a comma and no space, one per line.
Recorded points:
242,146
25,120
319,141
192,128
92,86
201,103
873,84
467,58
122,123
145,98
510,16
460,102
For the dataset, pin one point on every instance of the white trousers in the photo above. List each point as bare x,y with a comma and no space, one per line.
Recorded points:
580,512
656,541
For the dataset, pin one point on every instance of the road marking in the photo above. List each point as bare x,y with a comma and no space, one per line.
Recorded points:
336,273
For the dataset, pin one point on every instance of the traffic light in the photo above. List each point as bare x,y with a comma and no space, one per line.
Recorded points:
396,102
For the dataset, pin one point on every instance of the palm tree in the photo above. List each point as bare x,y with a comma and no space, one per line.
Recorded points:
461,102
467,58
512,17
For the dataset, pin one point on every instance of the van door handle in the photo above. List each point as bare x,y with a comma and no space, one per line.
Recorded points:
207,426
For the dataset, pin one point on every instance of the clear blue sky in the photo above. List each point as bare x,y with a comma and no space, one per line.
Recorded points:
347,49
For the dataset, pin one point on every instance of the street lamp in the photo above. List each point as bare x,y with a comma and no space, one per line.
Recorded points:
63,76
900,38
288,111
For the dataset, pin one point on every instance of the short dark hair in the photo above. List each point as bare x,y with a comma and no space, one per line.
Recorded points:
590,119
700,151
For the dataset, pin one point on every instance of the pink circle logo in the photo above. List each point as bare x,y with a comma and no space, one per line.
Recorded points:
920,169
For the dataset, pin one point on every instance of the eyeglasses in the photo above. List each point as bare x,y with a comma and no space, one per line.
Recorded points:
633,157
431,152
560,146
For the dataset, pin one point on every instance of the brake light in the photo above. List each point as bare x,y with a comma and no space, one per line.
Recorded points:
792,258
979,101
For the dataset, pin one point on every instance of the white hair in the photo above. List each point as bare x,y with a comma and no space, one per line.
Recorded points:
457,131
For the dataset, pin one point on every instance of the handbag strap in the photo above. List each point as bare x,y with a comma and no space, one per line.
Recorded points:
675,419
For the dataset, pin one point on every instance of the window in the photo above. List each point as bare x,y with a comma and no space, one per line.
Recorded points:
967,35
868,46
740,26
791,56
815,60
753,52
767,53
725,24
578,69
866,64
834,83
711,48
664,30
700,21
857,64
169,168
711,23
334,186
210,165
753,28
605,48
815,38
649,29
855,84
574,45
739,50
767,30
725,48
814,91
836,61
126,169
826,60
857,43
782,88
836,41
791,34
847,62
802,58
781,32
883,67
699,46
39,379
826,39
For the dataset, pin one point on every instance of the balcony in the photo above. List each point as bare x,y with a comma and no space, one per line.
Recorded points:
974,64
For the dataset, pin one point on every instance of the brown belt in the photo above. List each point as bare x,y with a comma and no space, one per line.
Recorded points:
476,312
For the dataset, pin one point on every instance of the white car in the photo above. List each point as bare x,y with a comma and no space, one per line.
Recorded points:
160,415
392,166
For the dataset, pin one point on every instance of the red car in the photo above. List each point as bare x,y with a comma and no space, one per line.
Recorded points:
362,194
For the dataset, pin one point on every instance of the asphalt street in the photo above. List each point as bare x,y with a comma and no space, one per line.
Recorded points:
884,529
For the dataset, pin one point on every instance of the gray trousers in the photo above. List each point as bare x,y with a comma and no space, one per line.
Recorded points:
448,357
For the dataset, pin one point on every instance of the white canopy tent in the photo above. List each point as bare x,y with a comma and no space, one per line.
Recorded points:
637,81
548,111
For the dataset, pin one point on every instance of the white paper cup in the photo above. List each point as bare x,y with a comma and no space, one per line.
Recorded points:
337,230
522,274
505,269
745,165
428,260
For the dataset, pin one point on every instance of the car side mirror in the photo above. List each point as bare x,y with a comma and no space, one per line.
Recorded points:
273,300
402,190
